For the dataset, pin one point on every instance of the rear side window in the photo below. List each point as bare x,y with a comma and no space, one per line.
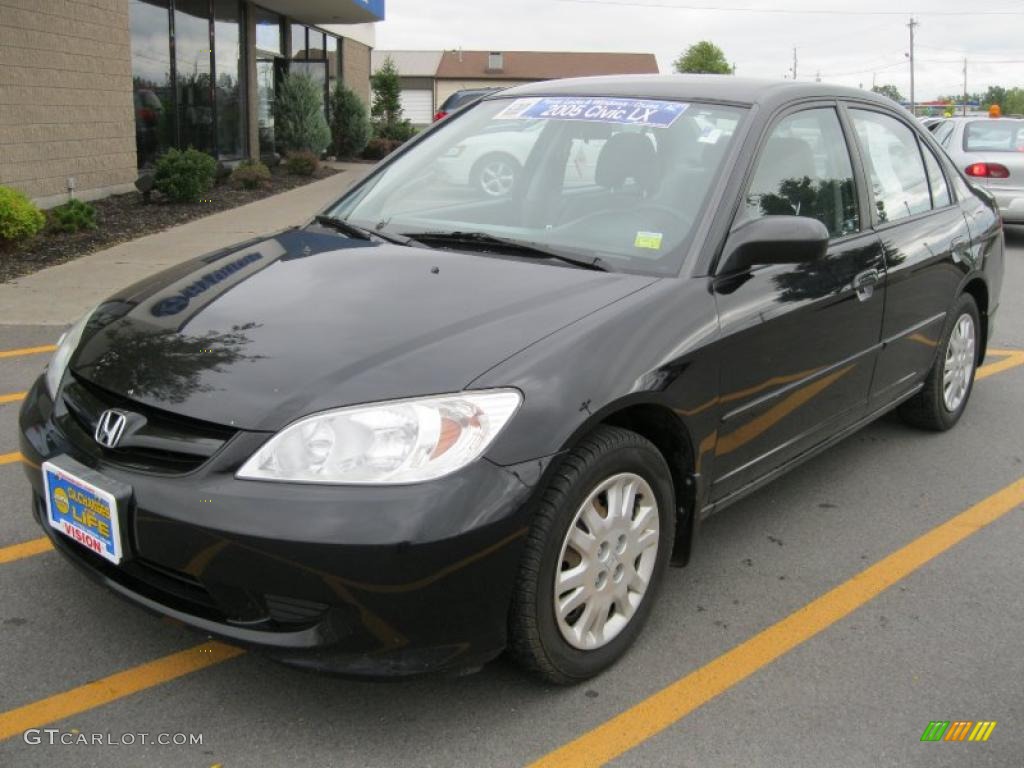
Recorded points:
804,170
937,181
943,131
894,165
994,136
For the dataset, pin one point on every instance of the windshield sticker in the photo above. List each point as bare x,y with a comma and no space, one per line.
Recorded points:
656,114
650,240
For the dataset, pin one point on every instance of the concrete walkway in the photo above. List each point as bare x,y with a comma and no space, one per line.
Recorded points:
60,295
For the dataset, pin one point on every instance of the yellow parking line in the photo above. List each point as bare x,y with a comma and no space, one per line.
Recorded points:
27,351
25,549
627,730
117,686
14,397
9,458
1011,359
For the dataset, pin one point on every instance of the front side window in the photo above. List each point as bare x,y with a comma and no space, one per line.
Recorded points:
621,179
893,162
805,170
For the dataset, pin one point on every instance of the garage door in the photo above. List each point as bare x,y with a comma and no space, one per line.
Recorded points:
418,105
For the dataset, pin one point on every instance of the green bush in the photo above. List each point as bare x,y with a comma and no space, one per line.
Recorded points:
299,121
378,149
185,176
20,218
251,174
73,216
301,163
350,125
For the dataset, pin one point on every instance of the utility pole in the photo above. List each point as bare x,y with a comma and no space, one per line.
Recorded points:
794,63
965,87
913,103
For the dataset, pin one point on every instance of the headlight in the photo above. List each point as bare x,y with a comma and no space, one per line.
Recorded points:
66,347
401,441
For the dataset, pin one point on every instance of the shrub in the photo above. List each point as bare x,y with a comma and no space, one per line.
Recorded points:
378,149
185,176
251,174
20,218
73,216
299,122
302,163
350,126
387,101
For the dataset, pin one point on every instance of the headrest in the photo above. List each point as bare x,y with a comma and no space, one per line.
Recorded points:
627,156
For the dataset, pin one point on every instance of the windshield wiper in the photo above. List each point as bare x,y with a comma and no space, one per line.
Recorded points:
519,247
362,233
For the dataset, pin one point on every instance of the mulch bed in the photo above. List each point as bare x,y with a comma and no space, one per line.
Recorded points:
126,217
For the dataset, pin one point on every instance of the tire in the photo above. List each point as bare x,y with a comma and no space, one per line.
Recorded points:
932,408
495,174
538,637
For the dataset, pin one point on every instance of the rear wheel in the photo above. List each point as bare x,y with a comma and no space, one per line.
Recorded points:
942,401
597,550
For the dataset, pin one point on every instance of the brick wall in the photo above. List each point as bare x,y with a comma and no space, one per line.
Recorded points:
66,98
355,65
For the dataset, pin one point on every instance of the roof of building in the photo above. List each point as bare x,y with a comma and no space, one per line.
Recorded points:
409,63
543,65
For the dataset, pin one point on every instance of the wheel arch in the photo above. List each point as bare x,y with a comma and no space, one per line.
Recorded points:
663,427
977,288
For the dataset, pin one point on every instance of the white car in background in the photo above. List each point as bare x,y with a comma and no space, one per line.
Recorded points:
990,151
492,161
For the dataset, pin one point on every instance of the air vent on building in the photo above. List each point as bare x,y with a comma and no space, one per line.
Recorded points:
495,61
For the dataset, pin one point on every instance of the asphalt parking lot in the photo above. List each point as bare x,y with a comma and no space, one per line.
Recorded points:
825,620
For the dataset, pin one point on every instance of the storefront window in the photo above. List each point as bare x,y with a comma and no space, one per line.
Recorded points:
228,60
268,32
332,63
269,64
298,42
193,56
151,79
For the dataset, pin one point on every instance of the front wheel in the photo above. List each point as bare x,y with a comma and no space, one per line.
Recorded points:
942,401
597,550
495,174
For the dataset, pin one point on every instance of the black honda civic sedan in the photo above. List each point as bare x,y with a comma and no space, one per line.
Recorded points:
446,419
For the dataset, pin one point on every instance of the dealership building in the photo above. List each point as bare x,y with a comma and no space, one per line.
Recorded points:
91,91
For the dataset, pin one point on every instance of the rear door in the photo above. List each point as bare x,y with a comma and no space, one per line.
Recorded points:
799,340
926,242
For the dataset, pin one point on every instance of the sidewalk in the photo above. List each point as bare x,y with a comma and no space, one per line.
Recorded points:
60,295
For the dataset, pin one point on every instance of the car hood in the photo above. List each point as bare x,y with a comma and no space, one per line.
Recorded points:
261,334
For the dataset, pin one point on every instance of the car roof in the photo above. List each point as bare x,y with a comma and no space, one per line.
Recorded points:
721,88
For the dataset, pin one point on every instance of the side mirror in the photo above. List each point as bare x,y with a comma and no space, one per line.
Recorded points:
774,240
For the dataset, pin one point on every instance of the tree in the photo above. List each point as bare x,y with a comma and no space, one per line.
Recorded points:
350,126
299,120
995,94
388,122
889,90
704,58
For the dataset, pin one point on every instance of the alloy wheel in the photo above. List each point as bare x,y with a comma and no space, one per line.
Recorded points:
606,562
497,178
959,365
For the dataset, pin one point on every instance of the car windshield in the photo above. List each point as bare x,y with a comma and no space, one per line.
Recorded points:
994,136
620,180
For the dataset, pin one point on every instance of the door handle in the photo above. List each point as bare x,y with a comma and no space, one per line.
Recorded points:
864,283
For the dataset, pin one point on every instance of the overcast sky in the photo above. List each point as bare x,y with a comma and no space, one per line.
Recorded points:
845,48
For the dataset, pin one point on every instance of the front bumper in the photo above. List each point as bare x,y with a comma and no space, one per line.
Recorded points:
374,581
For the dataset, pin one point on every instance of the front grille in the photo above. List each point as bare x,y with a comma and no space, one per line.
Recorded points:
155,441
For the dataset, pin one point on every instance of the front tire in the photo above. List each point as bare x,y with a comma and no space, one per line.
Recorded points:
943,400
596,553
495,174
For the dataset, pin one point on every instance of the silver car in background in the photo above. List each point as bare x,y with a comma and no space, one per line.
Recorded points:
990,150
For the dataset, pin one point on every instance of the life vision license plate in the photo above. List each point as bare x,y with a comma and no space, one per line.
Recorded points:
82,511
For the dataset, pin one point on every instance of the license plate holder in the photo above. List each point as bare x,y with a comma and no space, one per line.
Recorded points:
86,506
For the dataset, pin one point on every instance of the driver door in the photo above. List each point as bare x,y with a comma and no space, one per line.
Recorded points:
800,341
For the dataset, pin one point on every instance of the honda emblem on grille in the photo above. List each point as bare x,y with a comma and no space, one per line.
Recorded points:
110,427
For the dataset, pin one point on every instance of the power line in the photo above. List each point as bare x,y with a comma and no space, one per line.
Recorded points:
793,11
